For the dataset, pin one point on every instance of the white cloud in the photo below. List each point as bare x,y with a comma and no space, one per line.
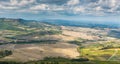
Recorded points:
109,3
71,6
57,8
47,7
98,8
73,2
113,3
40,7
79,9
21,2
76,7
15,4
7,7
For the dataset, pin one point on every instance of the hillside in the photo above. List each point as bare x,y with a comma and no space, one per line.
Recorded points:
33,40
13,30
36,40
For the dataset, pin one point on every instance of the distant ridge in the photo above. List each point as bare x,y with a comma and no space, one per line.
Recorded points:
81,23
65,23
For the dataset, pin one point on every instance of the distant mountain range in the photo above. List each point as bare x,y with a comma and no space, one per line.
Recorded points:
89,24
56,22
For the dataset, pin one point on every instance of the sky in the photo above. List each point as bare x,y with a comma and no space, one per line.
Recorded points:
76,10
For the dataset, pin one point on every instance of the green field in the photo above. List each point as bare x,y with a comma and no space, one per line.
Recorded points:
108,51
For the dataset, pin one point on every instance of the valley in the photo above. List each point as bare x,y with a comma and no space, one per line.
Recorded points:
32,41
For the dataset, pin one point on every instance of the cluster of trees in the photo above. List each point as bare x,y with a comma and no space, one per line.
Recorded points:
4,53
10,62
109,45
76,42
36,41
50,32
61,60
58,60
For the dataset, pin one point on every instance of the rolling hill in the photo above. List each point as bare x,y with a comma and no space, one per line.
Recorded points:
36,40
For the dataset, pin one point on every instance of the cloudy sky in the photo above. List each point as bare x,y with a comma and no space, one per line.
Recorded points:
97,10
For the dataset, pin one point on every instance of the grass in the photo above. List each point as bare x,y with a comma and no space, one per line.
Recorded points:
97,54
61,62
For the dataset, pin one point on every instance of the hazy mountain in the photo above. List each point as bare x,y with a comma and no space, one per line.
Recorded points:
88,24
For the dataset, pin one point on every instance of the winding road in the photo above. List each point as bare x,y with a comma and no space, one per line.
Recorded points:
116,51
